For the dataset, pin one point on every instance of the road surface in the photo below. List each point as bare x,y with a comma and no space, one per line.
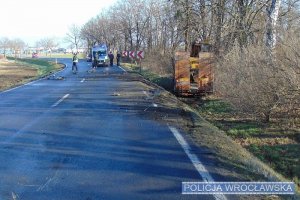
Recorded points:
86,137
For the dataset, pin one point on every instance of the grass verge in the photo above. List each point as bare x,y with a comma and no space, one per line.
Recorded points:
15,72
165,81
43,67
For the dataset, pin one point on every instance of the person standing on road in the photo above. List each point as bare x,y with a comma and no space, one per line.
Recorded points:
111,58
75,61
118,58
95,61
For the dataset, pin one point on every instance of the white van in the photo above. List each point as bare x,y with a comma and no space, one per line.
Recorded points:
100,55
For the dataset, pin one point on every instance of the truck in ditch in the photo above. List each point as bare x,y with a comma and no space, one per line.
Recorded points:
194,70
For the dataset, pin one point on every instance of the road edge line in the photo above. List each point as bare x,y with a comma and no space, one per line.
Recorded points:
122,68
195,160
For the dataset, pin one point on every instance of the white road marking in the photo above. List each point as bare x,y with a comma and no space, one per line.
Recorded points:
59,101
14,196
82,80
196,162
145,93
45,185
122,68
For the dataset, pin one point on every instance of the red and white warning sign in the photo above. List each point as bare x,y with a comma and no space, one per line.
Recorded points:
140,54
132,54
125,53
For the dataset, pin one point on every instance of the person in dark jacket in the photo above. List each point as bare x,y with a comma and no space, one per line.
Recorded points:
95,61
118,58
111,58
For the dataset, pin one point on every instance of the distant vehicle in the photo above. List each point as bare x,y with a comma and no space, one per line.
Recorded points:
61,50
100,55
35,55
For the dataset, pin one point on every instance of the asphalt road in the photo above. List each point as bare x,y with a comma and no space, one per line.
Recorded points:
83,138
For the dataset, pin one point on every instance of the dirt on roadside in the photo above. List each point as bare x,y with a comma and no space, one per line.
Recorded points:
13,74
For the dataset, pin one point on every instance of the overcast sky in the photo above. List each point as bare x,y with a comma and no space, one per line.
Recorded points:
32,20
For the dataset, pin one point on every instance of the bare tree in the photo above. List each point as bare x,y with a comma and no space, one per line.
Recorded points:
48,44
17,45
5,44
73,37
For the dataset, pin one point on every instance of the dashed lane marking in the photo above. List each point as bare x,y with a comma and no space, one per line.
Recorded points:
61,100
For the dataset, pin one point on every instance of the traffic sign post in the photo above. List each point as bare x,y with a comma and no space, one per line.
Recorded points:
136,56
132,54
125,53
140,56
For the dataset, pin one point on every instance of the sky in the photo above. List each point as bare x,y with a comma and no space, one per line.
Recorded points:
31,20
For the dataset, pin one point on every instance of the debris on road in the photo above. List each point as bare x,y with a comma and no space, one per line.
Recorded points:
53,77
116,94
93,70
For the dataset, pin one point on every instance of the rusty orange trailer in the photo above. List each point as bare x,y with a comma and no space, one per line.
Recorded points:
193,71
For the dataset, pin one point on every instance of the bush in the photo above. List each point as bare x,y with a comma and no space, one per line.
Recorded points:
252,84
159,63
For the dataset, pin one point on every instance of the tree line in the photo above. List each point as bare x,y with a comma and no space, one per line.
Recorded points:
163,25
255,44
14,45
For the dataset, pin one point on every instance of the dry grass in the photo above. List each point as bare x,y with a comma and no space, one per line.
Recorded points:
17,72
12,74
234,159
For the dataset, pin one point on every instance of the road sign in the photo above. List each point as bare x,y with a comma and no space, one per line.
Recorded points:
140,54
132,54
125,53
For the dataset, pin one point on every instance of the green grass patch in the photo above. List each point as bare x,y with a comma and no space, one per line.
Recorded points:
282,158
221,114
163,81
215,107
243,129
268,142
131,67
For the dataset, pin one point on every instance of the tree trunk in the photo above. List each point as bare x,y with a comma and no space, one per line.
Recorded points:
242,38
220,6
187,25
272,16
203,19
267,116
